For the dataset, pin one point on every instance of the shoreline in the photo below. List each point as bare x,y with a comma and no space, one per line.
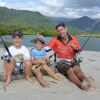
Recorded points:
95,35
59,90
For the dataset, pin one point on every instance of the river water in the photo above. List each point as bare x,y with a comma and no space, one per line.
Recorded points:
93,44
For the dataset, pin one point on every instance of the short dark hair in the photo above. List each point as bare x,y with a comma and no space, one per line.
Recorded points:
60,24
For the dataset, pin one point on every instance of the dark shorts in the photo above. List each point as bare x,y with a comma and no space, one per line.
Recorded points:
63,66
19,69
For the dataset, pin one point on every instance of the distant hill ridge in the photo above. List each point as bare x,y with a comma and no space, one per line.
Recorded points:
36,19
81,23
12,16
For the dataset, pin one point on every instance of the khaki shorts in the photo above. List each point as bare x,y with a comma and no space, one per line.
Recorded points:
36,68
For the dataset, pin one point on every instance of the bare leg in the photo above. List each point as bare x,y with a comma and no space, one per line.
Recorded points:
40,79
5,69
50,72
82,77
28,67
9,69
72,77
79,73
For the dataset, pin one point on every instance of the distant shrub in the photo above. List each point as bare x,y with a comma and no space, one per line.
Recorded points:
48,33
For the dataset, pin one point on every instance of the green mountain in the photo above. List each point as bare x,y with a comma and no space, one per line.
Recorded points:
23,19
81,23
34,22
60,19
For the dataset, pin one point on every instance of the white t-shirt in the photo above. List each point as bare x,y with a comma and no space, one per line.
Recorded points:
21,51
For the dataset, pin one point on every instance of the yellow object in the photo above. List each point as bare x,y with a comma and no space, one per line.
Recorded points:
36,69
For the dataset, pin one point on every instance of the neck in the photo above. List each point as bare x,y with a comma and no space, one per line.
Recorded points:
65,37
38,49
17,46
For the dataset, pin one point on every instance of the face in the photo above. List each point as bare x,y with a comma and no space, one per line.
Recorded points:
39,45
61,31
17,40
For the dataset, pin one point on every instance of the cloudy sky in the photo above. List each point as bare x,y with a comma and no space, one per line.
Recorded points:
57,8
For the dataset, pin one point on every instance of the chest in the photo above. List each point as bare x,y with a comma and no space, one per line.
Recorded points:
61,47
17,51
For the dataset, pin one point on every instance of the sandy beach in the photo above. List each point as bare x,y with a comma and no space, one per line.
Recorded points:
59,90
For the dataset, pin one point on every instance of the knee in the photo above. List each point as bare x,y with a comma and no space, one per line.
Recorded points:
70,71
11,61
76,69
38,74
28,63
45,67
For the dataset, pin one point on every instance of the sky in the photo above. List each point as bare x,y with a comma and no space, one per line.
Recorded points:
57,8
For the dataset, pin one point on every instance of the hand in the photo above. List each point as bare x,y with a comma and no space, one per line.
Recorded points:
22,59
74,46
43,62
47,59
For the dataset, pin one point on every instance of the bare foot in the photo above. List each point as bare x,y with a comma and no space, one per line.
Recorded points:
87,87
89,80
57,78
30,80
46,85
4,87
6,84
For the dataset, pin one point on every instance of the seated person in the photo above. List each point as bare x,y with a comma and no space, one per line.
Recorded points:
66,47
39,61
17,50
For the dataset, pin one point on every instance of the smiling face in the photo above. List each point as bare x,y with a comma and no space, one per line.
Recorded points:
62,31
17,40
39,45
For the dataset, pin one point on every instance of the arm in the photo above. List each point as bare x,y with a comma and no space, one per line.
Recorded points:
47,48
52,43
38,58
75,45
26,55
37,61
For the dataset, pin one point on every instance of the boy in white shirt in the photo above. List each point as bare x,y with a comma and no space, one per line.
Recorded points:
20,55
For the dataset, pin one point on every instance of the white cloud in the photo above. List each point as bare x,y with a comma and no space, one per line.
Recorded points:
41,9
57,8
97,16
72,14
2,3
53,3
21,5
